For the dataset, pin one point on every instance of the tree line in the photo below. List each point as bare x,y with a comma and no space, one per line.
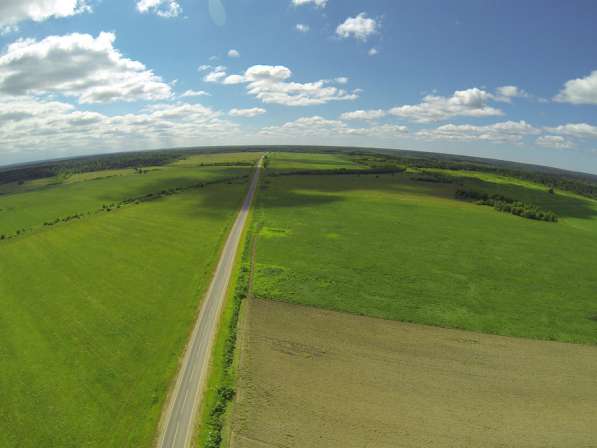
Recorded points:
507,205
579,183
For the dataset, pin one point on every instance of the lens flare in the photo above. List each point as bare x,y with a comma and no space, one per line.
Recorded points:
217,12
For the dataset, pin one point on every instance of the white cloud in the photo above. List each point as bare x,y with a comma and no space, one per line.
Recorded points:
579,91
466,103
302,28
271,85
506,93
13,12
504,132
373,52
233,53
320,127
191,93
342,80
163,8
216,74
7,29
77,65
206,67
359,27
363,115
554,141
317,3
233,79
27,123
578,130
249,113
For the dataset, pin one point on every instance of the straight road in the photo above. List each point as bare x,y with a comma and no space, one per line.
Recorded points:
177,427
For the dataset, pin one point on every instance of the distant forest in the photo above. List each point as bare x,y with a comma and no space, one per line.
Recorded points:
376,159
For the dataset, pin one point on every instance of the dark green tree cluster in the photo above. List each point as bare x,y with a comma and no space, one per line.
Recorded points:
507,205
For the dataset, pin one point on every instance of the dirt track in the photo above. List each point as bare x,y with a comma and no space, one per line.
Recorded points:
314,378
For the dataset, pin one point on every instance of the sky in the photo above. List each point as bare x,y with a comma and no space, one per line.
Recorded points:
512,80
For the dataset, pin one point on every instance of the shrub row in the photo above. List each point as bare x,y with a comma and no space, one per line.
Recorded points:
508,205
67,219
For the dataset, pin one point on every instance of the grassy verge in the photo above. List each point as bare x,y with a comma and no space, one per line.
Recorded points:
220,388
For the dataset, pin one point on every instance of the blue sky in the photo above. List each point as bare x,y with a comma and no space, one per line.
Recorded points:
505,79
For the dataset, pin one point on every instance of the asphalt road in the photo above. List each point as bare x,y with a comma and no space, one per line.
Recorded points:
178,423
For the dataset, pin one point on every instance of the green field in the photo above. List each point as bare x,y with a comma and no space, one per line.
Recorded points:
388,246
29,205
97,307
288,161
96,311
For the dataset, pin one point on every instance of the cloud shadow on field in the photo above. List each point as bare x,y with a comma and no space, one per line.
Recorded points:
287,190
290,191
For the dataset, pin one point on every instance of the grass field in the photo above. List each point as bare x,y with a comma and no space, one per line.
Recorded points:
31,204
96,312
316,378
289,161
387,246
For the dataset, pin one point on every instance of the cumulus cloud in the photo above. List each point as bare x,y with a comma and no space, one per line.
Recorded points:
317,3
191,93
580,91
341,80
302,28
233,79
373,52
359,27
577,130
163,8
504,132
506,93
320,127
554,141
248,113
30,123
214,74
271,85
363,115
233,53
465,103
77,65
12,12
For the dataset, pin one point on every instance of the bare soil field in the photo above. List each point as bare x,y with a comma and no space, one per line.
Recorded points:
316,378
